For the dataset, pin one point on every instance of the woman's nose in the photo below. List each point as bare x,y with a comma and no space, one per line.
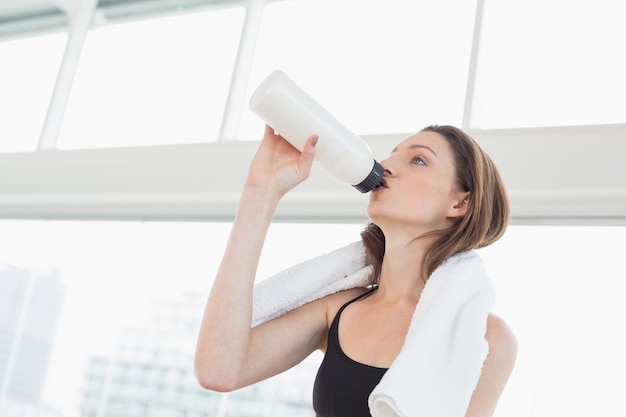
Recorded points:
388,168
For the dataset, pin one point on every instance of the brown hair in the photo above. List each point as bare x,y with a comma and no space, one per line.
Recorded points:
484,222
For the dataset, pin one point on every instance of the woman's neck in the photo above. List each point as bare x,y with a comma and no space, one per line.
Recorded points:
401,276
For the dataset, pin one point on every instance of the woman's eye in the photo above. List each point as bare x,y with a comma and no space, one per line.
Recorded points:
418,160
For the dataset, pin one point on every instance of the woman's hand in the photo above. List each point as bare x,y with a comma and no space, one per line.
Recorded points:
278,166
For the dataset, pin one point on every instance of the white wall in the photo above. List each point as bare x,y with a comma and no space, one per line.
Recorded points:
554,175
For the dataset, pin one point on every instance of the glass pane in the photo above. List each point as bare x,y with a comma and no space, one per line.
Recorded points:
379,67
556,62
28,71
152,82
114,307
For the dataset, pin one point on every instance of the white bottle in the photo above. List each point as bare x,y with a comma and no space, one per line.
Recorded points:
296,116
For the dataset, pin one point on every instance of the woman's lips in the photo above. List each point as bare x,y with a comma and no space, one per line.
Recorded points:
382,186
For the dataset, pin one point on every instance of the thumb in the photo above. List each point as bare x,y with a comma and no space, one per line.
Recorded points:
308,154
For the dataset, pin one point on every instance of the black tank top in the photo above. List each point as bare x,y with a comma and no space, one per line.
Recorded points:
343,385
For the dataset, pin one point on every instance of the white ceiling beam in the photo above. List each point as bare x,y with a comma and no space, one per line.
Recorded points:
471,114
80,22
554,175
237,94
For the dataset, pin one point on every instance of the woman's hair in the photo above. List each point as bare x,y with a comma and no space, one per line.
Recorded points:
487,212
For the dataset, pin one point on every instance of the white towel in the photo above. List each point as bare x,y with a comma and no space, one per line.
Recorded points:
339,270
438,367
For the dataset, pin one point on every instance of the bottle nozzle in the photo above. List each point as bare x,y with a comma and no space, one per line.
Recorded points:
373,180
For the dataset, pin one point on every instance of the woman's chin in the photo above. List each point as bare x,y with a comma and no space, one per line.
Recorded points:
375,214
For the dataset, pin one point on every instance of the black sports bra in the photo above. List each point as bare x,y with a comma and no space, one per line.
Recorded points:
343,385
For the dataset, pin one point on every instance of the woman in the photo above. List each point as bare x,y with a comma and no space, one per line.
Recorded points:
441,196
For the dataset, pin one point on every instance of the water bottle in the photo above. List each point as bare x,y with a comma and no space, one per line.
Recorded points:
295,115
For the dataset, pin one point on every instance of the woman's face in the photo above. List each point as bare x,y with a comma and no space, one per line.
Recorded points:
420,192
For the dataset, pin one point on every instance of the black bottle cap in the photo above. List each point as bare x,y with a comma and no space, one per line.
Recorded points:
373,180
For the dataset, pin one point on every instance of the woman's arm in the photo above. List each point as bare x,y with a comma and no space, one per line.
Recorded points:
229,354
496,369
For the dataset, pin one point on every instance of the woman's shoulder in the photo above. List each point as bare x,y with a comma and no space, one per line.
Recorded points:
502,341
341,297
497,367
331,303
335,301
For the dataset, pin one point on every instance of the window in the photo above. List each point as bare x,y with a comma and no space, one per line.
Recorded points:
557,288
27,75
379,67
550,63
153,82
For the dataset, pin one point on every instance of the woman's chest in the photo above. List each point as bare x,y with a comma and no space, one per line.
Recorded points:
373,336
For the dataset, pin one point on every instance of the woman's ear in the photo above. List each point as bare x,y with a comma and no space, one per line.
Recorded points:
460,205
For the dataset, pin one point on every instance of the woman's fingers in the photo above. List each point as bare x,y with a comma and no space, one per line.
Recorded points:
308,156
